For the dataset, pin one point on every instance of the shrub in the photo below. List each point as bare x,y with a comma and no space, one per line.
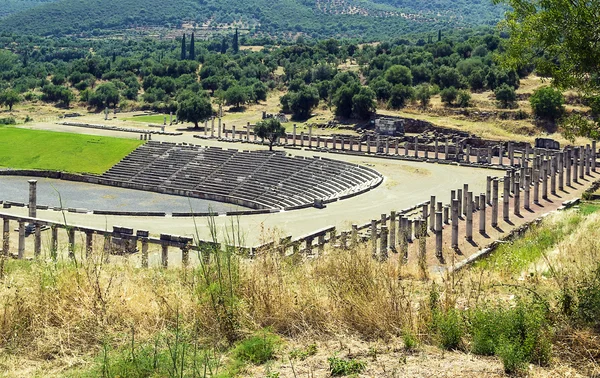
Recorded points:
409,340
449,328
464,99
257,349
449,95
340,367
505,94
547,103
8,121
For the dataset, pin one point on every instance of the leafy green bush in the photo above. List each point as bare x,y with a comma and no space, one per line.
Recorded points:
303,354
547,102
409,340
256,349
517,335
8,121
340,367
449,328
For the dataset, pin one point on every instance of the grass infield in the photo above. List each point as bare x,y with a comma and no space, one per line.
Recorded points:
77,153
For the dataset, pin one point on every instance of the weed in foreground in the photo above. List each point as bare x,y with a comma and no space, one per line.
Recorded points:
342,367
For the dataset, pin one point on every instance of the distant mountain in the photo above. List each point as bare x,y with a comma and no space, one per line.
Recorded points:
366,19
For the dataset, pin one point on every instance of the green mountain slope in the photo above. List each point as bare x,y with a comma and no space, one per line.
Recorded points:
316,18
9,7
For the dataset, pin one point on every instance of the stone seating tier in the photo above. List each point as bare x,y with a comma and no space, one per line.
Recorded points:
259,178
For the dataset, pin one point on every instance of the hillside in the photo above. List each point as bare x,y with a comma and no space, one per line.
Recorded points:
10,7
367,19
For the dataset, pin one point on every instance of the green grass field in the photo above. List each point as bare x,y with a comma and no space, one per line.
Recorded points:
157,119
35,149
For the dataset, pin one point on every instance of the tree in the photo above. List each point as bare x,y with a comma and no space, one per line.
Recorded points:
183,48
449,95
399,95
363,103
236,95
343,99
399,74
192,54
561,39
547,102
106,94
423,94
236,42
301,103
9,98
464,99
194,108
269,129
506,95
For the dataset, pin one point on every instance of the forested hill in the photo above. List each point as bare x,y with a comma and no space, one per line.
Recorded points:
365,19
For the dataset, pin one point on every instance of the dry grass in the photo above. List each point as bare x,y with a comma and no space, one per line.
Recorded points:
60,314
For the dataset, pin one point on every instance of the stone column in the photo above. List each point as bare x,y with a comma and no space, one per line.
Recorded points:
37,242
32,198
425,212
354,236
185,255
294,136
505,199
526,198
545,180
416,146
409,230
396,143
233,133
71,234
309,136
588,159
581,163
436,149
374,238
495,203
455,223
463,209
447,150
482,205
383,244
387,146
406,148
54,241
489,152
21,247
164,255
536,186
594,152
248,133
561,168
5,236
89,241
302,139
488,189
220,130
460,198
511,154
517,199
144,241
468,155
446,214
212,127
501,154
469,216
393,230
553,177
438,234
426,151
432,213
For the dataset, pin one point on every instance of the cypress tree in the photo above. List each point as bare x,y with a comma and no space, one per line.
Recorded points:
236,46
192,54
183,48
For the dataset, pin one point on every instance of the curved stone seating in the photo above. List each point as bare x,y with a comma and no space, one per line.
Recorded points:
256,179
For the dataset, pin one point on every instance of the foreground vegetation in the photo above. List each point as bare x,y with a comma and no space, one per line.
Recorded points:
77,153
231,316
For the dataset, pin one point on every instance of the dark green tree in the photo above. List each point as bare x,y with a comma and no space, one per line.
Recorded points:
192,54
449,95
236,95
398,74
269,129
399,95
423,95
9,98
235,45
506,96
363,103
547,103
194,108
183,47
301,103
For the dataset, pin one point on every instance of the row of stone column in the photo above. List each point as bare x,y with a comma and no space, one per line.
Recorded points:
141,237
